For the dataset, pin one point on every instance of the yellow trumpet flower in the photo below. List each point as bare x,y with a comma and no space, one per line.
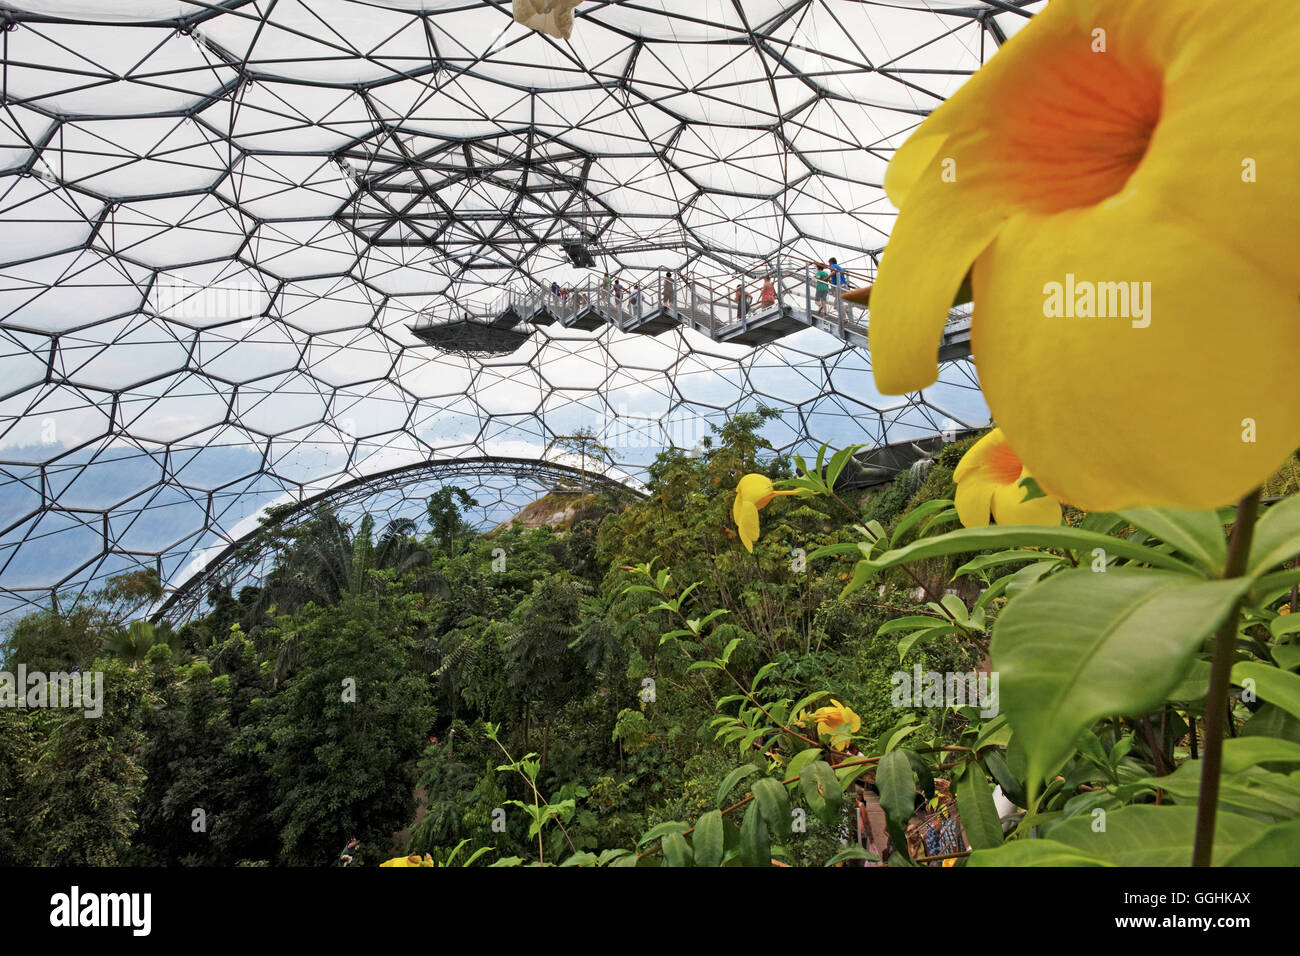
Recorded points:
1122,181
752,495
988,481
835,721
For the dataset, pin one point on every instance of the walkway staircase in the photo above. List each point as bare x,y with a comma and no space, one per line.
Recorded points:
737,313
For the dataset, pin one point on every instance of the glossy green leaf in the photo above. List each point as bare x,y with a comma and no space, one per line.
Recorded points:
800,760
920,637
1279,845
1277,536
1240,753
982,562
822,792
1033,853
896,786
1007,780
1270,684
708,840
733,778
1148,835
979,815
1083,645
853,853
754,847
655,832
677,851
1010,536
775,804
1197,534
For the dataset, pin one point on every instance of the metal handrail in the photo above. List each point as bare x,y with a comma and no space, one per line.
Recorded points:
702,305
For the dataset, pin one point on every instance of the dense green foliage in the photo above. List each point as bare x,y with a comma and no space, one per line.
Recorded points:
637,687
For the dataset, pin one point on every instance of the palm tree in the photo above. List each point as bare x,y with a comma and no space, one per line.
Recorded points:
325,560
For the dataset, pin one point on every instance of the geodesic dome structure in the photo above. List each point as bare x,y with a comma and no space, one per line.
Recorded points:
221,221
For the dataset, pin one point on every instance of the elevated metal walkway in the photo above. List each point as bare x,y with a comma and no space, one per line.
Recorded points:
768,304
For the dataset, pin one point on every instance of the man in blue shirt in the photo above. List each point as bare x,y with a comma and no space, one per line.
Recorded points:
838,276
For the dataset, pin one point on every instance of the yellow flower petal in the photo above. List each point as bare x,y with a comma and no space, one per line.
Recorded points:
746,517
1209,128
1009,507
753,487
988,480
920,272
1054,123
1191,411
974,501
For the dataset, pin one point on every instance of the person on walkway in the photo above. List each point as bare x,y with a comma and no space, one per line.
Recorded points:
555,289
838,276
767,297
635,299
823,287
742,301
670,294
618,290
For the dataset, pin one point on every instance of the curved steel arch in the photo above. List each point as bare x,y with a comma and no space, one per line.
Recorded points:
234,559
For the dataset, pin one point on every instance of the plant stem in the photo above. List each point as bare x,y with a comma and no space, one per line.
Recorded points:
1216,701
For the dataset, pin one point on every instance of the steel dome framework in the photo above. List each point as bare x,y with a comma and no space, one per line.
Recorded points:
218,221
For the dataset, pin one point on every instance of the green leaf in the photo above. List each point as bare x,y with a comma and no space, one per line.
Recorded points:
924,776
919,513
898,735
837,463
708,839
1277,846
1277,536
955,607
1004,536
655,832
1148,835
982,562
1027,577
853,853
907,623
1272,721
1194,684
754,847
847,774
979,815
1197,534
1254,792
1007,780
1032,490
1032,853
1080,646
1271,684
800,760
763,673
896,786
919,637
993,733
772,800
733,778
676,850
1241,753
822,792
